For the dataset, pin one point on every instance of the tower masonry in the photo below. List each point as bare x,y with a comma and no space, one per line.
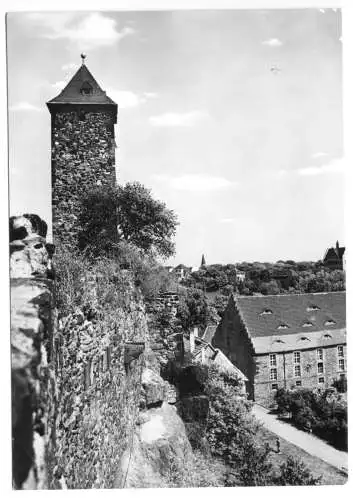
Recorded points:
83,150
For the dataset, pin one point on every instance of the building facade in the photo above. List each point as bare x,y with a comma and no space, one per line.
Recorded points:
285,341
83,150
334,257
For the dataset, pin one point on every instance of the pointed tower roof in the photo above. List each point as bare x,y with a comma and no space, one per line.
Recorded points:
82,89
203,261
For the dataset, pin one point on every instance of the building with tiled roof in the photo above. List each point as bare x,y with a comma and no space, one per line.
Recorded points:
198,349
285,340
334,257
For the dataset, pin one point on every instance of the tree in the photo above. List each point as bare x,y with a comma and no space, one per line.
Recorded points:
293,472
144,221
130,213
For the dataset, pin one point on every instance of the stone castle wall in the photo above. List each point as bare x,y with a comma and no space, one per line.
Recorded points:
75,392
83,157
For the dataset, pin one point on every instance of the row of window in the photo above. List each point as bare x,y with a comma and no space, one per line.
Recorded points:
297,369
298,383
297,356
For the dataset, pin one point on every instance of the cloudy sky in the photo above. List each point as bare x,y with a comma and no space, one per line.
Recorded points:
233,118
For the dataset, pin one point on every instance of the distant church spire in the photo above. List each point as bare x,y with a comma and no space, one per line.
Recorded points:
83,57
203,261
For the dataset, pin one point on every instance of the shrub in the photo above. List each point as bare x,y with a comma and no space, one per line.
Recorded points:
294,472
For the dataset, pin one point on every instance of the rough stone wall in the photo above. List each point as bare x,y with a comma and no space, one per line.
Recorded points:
32,322
83,157
75,394
97,396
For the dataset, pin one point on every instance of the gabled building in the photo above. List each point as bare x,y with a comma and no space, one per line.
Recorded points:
334,257
285,341
198,349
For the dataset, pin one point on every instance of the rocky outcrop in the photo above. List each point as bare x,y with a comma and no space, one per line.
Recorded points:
159,450
28,253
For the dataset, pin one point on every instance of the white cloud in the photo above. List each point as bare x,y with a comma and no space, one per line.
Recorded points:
178,119
272,42
128,99
88,31
59,86
150,95
196,182
25,106
337,165
70,67
319,154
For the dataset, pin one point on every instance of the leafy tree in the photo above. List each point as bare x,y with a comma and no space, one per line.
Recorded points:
144,221
140,220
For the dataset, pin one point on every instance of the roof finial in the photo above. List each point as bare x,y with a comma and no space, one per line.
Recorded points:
83,57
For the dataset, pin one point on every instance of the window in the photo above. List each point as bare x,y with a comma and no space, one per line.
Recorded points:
86,89
313,308
305,338
340,351
297,357
266,311
321,380
327,336
320,368
298,383
341,365
274,387
273,374
273,361
282,326
307,324
329,322
297,370
320,354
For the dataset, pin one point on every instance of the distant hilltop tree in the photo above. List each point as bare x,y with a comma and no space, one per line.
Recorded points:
141,220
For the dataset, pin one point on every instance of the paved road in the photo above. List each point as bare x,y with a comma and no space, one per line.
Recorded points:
311,444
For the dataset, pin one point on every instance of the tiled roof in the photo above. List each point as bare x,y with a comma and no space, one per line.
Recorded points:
209,333
72,93
282,315
298,341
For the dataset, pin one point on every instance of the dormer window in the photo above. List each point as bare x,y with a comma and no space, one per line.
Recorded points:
307,324
279,341
266,312
327,336
86,88
313,308
329,322
304,338
282,326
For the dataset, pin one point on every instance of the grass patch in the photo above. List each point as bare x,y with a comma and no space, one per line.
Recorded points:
330,475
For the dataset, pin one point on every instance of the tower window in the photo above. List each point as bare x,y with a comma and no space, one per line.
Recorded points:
297,371
273,374
340,351
273,361
341,365
86,88
320,354
297,357
320,368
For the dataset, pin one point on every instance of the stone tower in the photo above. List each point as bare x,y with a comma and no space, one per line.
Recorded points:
83,150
